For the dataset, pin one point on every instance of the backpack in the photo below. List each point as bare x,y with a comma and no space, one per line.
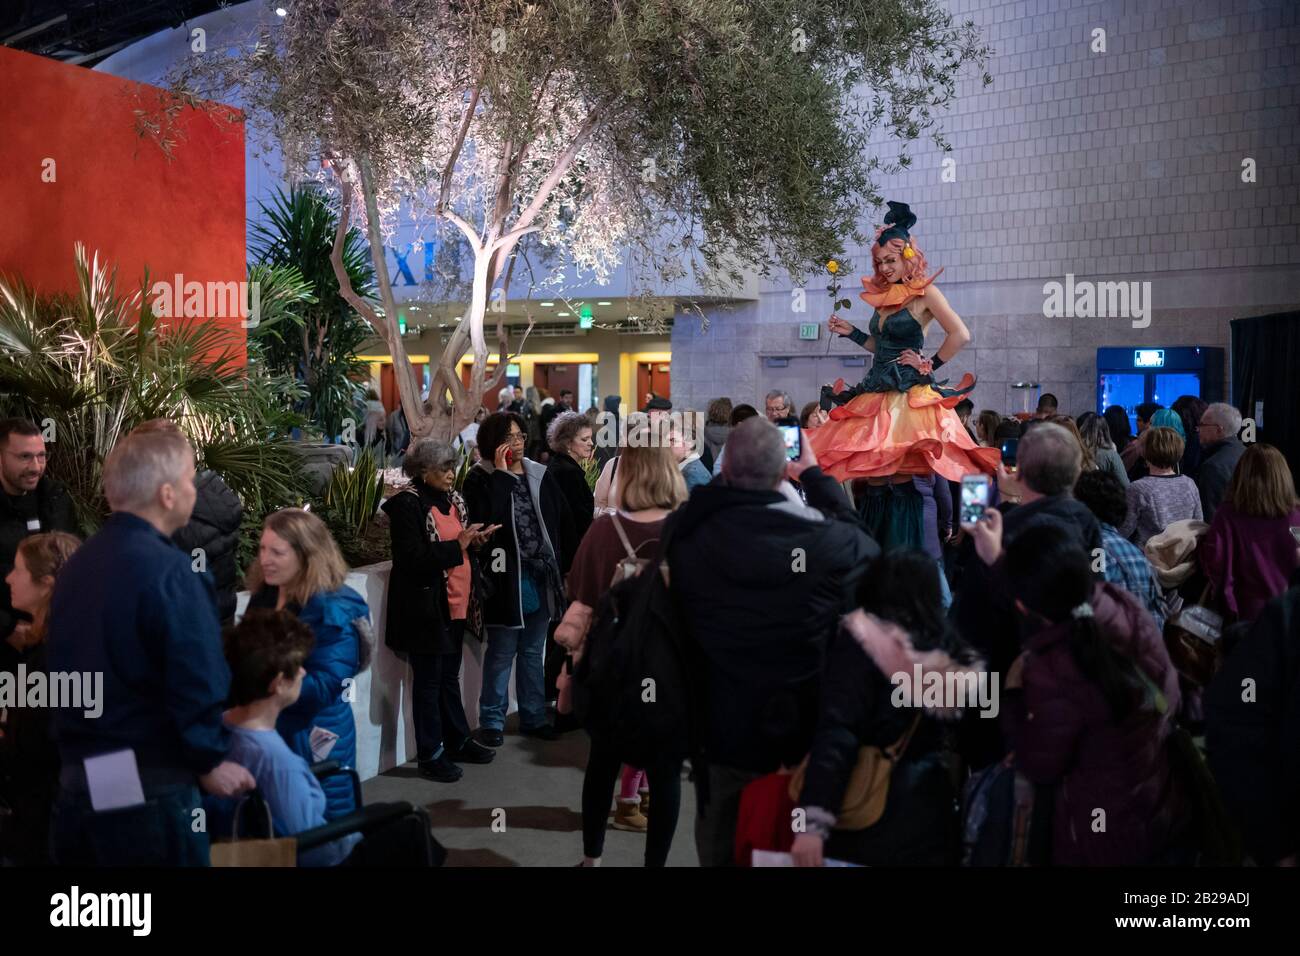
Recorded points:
637,677
630,566
1006,819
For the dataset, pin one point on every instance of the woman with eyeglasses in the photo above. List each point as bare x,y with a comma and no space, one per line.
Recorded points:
524,564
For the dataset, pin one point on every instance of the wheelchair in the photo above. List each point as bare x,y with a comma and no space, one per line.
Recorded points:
393,834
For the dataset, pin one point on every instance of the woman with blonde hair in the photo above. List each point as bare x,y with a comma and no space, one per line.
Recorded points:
29,761
650,486
300,569
1249,553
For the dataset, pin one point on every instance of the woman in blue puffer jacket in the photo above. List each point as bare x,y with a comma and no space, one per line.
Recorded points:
299,569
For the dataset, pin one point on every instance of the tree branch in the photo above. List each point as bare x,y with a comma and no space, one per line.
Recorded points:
444,193
417,412
505,359
475,242
340,271
562,165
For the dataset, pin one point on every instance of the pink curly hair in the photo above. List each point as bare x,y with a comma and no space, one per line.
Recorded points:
914,269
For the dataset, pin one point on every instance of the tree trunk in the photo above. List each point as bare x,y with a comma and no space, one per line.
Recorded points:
425,419
475,315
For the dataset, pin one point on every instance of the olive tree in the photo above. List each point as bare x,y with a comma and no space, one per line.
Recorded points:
714,134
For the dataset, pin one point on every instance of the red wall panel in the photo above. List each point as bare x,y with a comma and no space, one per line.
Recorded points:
114,191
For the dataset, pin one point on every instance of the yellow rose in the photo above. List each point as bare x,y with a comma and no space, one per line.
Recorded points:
832,267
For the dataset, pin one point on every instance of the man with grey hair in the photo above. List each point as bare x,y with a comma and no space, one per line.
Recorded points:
761,581
131,606
1221,449
1040,490
779,405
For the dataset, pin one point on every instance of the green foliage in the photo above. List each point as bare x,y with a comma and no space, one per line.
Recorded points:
318,342
464,462
96,364
590,471
354,491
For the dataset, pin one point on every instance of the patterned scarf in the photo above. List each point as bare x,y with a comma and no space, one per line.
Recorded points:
474,615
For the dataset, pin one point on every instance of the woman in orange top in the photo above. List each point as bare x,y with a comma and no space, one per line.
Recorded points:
898,421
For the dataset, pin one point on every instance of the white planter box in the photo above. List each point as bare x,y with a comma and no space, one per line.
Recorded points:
381,701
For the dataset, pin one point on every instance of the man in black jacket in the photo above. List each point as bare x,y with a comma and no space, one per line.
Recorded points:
761,580
30,502
1049,462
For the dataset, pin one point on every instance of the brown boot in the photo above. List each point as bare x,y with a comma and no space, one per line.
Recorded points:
628,817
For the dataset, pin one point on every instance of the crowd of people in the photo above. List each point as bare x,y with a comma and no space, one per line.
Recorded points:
796,624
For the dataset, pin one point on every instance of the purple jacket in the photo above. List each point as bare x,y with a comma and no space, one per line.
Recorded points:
1248,559
1063,734
936,505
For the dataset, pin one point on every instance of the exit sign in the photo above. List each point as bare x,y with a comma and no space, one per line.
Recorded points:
1149,358
809,330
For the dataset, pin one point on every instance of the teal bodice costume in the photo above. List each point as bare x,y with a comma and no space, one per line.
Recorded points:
897,334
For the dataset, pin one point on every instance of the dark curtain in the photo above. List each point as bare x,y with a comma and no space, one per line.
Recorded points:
1265,360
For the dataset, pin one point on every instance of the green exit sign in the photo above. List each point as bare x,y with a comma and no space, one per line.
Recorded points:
585,317
809,330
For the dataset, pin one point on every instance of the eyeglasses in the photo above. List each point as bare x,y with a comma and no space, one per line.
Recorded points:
515,436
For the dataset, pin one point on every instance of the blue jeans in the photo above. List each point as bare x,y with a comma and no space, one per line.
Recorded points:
945,591
504,644
159,832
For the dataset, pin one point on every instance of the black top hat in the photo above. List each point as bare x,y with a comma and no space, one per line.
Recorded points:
899,220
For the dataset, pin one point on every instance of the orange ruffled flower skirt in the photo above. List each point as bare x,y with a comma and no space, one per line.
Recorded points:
878,434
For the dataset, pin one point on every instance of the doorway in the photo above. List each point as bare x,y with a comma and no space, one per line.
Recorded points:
653,377
388,393
555,377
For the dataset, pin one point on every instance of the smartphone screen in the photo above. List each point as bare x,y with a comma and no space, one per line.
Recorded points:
1295,533
793,441
974,497
1009,448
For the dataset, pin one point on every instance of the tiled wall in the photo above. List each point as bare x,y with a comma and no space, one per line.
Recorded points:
1124,165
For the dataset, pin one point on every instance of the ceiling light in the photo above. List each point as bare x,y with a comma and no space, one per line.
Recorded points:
562,314
546,305
604,302
281,12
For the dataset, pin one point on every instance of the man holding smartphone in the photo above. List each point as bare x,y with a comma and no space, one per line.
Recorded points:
1048,462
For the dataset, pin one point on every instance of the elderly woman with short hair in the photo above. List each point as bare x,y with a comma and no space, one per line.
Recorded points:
571,443
433,600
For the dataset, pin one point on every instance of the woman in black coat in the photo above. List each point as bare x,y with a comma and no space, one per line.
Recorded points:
214,526
899,625
571,443
523,563
433,600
